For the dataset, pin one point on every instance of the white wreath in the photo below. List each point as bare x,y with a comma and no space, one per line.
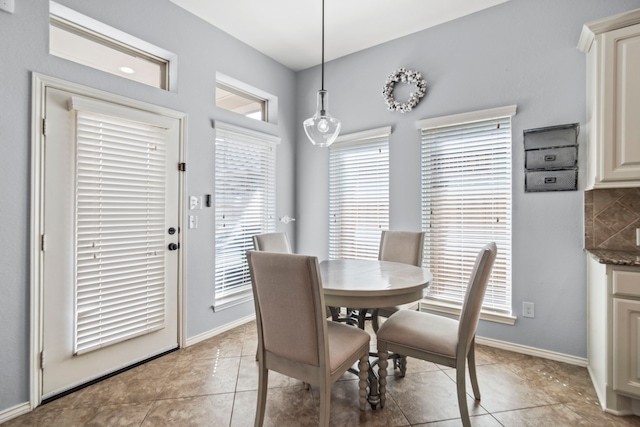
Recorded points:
405,76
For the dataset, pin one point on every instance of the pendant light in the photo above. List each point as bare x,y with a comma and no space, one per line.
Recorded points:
322,129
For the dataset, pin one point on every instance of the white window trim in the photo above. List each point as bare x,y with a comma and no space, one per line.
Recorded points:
462,118
370,133
427,304
430,304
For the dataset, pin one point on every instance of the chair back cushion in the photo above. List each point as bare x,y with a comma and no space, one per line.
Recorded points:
475,293
401,246
288,293
272,242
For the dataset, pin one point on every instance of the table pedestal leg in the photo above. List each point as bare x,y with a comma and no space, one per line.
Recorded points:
374,396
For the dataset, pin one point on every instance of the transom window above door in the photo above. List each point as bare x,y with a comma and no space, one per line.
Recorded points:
241,98
89,42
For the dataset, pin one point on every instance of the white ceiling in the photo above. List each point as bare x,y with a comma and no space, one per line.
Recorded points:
289,31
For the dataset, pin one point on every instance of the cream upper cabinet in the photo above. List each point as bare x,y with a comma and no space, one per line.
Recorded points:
613,100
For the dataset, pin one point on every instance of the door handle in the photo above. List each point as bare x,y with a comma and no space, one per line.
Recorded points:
173,246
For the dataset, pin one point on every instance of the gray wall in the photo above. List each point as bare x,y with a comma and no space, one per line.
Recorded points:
521,52
202,51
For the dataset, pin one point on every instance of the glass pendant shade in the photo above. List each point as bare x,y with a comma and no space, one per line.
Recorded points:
322,129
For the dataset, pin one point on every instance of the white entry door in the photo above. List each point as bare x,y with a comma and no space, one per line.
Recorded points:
110,223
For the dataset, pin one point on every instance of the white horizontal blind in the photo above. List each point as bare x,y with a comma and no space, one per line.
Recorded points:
358,196
466,203
245,204
120,205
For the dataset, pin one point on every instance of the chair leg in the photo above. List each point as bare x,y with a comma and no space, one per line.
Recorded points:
471,357
403,365
263,380
462,392
325,403
363,375
383,362
374,320
362,316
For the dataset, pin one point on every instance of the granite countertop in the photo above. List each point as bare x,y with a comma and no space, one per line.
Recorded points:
604,256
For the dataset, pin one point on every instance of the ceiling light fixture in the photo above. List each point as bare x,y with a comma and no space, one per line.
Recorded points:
322,129
127,70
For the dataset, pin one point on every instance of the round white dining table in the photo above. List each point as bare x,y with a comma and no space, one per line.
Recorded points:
370,284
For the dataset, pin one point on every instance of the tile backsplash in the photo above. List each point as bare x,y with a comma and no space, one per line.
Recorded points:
611,217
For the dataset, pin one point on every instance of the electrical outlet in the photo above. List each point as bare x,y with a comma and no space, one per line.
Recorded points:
193,221
7,5
527,309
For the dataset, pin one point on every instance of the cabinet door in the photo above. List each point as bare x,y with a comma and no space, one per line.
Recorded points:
620,149
626,342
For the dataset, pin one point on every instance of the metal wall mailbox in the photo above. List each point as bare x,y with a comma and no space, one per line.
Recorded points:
557,180
551,158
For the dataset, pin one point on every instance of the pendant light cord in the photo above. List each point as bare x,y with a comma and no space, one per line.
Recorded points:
322,45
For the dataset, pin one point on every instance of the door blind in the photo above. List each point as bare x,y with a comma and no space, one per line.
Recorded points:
466,203
358,194
120,230
245,204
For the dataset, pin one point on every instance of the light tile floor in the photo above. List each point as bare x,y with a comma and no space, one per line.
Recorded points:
214,382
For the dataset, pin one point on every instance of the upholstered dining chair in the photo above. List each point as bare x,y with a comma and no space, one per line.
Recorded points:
310,348
397,246
439,339
272,242
404,247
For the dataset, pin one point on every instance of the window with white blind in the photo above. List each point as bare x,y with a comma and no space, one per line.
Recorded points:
466,203
358,193
245,205
120,228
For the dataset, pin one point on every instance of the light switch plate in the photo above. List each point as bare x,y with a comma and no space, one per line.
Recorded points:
195,202
7,5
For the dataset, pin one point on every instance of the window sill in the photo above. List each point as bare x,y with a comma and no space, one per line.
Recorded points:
231,300
442,307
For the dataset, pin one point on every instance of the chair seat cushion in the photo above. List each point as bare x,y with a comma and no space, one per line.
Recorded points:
421,331
344,341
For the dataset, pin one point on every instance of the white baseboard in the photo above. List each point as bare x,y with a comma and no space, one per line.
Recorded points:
217,331
601,398
16,411
532,351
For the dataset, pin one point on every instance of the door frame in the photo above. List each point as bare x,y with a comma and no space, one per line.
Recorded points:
38,85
